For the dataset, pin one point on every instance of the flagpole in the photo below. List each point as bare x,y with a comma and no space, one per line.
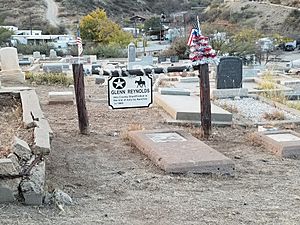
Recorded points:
78,35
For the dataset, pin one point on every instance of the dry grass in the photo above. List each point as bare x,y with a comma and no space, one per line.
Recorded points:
275,115
10,124
253,140
230,108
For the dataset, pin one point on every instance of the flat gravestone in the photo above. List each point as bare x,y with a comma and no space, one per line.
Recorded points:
187,108
180,152
229,73
284,143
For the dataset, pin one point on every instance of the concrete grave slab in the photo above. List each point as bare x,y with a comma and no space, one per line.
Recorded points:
189,80
180,152
188,108
230,93
174,91
284,143
63,97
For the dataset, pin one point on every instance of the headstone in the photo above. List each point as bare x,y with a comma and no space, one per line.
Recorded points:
131,52
36,55
229,73
145,62
174,59
10,69
161,59
53,68
53,54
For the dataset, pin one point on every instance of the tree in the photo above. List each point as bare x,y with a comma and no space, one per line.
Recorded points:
98,28
5,36
153,23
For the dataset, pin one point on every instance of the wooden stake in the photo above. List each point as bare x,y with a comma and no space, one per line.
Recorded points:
205,100
80,98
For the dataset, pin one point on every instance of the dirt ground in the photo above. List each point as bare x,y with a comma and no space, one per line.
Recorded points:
111,182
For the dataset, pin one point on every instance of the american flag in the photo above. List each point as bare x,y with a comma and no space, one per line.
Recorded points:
79,43
195,32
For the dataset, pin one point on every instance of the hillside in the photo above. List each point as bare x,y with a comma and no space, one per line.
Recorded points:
265,17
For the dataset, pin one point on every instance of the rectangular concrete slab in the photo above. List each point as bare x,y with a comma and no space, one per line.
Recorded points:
229,93
188,108
174,91
176,151
284,143
63,97
189,80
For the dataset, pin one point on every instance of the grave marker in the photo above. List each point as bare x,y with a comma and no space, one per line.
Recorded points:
131,53
229,73
10,69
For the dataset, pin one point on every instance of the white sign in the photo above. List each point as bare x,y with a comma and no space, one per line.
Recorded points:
130,92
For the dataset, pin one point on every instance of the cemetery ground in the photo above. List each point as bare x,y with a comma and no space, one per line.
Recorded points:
111,182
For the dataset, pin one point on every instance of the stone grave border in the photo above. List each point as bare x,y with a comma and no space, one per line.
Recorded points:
286,149
27,166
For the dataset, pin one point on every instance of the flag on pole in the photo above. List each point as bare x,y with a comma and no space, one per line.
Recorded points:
195,32
192,37
79,43
198,26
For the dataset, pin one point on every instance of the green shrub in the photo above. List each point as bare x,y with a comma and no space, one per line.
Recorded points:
29,49
105,51
49,78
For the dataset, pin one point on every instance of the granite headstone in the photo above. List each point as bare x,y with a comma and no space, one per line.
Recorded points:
229,73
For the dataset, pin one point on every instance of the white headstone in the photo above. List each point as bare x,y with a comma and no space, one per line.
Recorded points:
10,69
131,52
36,55
53,54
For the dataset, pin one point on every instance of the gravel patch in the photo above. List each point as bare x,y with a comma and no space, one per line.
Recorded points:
252,109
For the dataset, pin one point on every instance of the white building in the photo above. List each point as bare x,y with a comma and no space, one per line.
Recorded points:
58,41
11,28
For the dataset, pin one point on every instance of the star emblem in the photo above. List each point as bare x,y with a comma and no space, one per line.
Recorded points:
119,83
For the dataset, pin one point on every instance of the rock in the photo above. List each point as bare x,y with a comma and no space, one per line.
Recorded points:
62,198
41,141
7,167
9,190
21,149
33,188
15,161
48,198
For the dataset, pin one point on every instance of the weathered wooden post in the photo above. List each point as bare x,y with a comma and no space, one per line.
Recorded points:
83,119
205,100
201,53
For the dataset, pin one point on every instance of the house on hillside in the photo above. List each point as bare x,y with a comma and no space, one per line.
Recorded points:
135,20
35,37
